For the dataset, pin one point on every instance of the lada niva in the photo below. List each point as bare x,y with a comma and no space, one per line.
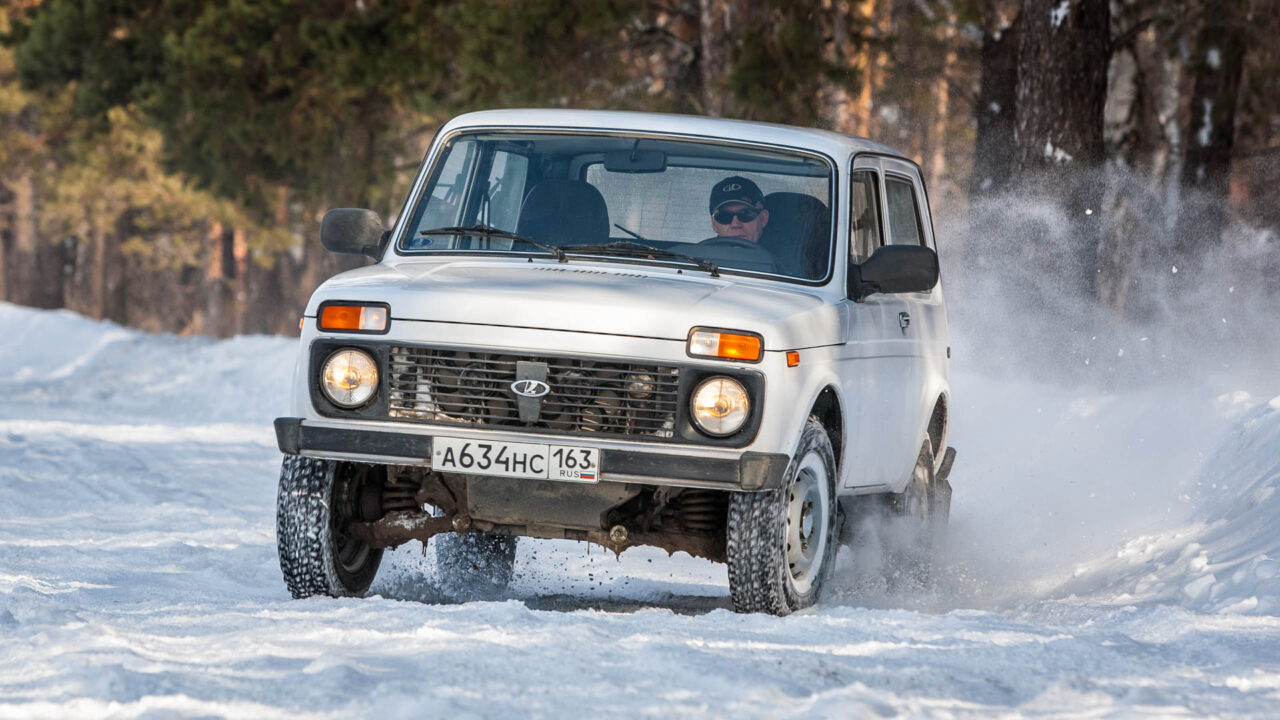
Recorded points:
704,335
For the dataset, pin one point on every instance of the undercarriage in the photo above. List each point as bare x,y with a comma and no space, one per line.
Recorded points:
392,505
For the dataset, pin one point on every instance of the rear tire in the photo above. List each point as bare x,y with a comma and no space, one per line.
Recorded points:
923,509
315,501
781,544
474,566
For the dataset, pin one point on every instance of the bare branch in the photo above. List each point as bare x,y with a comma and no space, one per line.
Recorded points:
1128,36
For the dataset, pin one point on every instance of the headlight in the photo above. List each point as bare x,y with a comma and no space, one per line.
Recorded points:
349,378
720,406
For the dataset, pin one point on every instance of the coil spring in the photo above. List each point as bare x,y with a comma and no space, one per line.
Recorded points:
702,510
398,494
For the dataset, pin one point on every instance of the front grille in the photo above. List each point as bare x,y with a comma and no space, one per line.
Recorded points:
587,395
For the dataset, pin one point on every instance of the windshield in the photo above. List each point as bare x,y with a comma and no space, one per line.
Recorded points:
736,209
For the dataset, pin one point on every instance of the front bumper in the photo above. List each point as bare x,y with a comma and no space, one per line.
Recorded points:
750,471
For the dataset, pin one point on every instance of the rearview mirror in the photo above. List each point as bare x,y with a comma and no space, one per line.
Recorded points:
353,232
894,269
635,161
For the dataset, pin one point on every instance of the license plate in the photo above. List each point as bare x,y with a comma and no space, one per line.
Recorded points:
523,460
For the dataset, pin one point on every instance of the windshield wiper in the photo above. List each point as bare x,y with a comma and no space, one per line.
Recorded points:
626,247
633,233
490,231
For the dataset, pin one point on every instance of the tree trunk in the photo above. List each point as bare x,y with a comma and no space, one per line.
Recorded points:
1063,53
862,61
83,291
115,271
997,103
23,279
1217,66
6,237
717,19
1062,83
838,111
937,167
877,71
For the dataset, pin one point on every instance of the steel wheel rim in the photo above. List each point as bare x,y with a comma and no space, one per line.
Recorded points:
351,553
806,532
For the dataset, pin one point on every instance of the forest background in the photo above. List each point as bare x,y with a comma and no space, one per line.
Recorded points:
165,164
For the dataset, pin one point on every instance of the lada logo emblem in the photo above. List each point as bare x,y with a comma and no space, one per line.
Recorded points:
530,388
731,187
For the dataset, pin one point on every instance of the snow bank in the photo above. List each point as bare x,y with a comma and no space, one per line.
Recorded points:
63,365
1226,557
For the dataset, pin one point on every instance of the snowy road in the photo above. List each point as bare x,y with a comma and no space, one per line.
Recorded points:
1110,555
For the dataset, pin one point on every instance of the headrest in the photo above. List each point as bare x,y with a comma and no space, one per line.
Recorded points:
564,212
798,233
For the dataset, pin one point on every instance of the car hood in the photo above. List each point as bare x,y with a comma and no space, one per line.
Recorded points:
588,297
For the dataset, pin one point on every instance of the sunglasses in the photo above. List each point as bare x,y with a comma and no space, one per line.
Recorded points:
746,215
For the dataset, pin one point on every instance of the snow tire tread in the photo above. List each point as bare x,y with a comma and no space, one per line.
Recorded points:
756,543
303,532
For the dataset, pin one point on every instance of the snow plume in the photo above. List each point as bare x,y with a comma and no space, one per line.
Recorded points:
1091,427
1017,278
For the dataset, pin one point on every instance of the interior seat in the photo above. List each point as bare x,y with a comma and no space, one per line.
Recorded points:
798,234
564,212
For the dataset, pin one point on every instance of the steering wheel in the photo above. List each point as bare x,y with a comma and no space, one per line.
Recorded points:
730,242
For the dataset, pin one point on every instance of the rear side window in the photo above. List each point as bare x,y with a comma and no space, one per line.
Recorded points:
864,209
904,213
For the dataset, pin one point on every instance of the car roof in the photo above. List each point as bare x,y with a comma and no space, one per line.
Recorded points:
836,145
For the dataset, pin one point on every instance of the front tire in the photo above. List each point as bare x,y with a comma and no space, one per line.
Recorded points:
315,501
782,543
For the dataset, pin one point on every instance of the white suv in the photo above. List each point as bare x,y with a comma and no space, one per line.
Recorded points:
626,329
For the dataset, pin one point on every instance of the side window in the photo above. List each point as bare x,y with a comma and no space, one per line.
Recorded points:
445,206
904,214
865,234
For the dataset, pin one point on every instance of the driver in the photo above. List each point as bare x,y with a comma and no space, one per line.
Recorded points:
737,209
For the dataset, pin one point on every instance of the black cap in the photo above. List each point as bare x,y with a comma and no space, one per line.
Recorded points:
736,189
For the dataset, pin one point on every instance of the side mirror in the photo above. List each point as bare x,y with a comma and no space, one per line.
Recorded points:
353,232
894,269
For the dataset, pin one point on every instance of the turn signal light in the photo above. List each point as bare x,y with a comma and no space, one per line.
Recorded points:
725,344
349,317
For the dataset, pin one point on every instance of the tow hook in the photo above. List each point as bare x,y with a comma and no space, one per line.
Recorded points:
618,535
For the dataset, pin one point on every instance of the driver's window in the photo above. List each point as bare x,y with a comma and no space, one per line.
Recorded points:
445,206
864,216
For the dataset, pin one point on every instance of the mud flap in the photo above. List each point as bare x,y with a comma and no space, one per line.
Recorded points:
944,470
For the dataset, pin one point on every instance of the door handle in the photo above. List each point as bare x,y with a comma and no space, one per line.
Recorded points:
904,321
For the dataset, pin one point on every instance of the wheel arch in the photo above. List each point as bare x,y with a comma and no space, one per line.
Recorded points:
939,423
828,409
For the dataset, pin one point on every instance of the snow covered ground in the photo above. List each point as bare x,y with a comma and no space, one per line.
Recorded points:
1113,553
